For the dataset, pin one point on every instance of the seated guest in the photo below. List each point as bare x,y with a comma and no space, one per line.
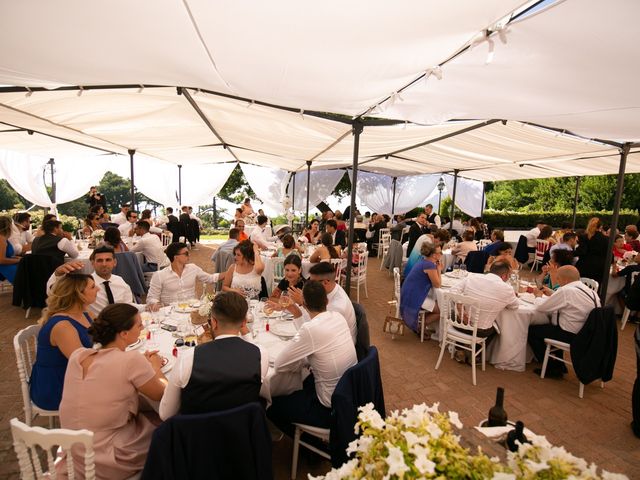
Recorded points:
620,248
569,242
238,214
326,251
341,225
548,277
98,210
312,232
90,225
21,237
150,246
493,292
339,301
227,246
128,228
378,222
240,226
64,329
568,307
533,234
261,235
102,391
292,269
246,207
178,280
631,237
438,238
245,275
54,243
288,247
546,233
337,236
39,231
202,381
8,260
457,225
324,343
121,216
113,239
145,216
497,238
111,288
397,229
468,244
505,253
418,288
559,234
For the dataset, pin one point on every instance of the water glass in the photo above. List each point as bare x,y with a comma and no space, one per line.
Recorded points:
463,270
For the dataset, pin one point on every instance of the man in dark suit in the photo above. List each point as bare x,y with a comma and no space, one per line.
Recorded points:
418,229
339,238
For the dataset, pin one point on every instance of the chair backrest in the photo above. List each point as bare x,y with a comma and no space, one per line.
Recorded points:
166,238
337,265
233,443
396,289
277,264
541,247
362,325
31,442
25,344
462,312
483,243
476,261
385,237
405,233
360,272
80,234
591,283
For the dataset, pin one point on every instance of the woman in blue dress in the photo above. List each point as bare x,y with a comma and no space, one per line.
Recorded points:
8,263
417,290
64,322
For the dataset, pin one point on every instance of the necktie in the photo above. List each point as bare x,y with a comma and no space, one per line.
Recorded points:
109,292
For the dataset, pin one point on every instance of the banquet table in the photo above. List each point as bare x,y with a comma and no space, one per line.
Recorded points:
509,350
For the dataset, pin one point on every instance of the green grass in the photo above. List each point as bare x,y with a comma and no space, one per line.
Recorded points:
214,237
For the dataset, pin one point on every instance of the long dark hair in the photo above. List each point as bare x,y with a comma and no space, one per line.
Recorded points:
246,250
327,241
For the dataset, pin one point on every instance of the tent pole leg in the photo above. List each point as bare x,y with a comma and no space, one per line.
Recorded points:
306,218
133,184
482,203
575,203
180,185
357,130
293,200
393,199
453,200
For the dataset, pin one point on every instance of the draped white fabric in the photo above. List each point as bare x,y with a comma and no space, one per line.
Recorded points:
25,175
74,176
468,194
376,191
156,179
322,184
200,183
269,184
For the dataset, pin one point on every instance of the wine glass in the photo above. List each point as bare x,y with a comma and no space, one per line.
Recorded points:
463,270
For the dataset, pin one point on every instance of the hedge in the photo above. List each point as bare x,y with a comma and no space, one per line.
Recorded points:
527,220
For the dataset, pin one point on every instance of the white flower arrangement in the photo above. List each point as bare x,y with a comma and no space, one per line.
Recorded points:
419,443
98,234
206,302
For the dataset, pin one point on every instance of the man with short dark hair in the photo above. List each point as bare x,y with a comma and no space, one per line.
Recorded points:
128,228
222,374
569,242
53,242
121,217
95,198
173,224
497,238
432,217
150,246
324,343
228,246
331,228
21,238
259,235
419,228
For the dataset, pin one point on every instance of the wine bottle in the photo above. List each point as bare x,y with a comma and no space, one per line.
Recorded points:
497,414
516,434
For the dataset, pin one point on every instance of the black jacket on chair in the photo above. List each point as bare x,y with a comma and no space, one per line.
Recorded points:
522,252
30,285
340,238
476,261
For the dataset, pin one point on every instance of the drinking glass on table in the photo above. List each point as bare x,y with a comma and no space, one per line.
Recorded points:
463,270
154,331
285,300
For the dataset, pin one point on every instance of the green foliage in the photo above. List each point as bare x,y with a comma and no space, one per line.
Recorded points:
117,190
9,198
69,223
526,220
78,208
343,188
236,189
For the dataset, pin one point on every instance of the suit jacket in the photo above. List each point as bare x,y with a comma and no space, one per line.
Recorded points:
415,232
340,239
595,346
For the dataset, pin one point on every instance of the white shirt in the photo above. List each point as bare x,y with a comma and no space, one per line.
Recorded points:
532,235
258,237
574,301
166,285
125,228
162,220
457,226
494,295
119,218
68,247
339,302
181,374
325,343
151,247
121,292
15,239
193,217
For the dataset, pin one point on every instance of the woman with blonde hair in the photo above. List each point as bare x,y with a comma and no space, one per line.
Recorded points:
64,324
8,262
592,251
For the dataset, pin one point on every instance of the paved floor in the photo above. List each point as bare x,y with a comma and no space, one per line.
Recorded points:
596,427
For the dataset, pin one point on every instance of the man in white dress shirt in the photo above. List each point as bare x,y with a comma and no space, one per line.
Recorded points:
493,292
111,288
260,236
178,280
121,217
222,374
533,234
150,246
323,343
21,238
128,228
339,301
569,307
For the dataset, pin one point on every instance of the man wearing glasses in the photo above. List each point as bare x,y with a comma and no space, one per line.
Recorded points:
127,229
177,281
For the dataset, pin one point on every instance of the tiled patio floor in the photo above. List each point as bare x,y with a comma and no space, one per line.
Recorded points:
596,427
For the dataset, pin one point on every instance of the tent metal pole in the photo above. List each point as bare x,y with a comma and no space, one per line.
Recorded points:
624,151
306,218
482,203
180,185
52,163
133,183
575,203
393,199
293,200
215,213
453,199
358,126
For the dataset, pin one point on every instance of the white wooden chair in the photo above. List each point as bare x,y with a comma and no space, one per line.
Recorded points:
336,263
30,442
461,314
385,239
166,238
320,433
404,234
25,344
590,283
277,265
626,313
541,248
555,346
394,325
483,243
359,276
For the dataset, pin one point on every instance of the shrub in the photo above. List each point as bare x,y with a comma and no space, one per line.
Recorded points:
526,220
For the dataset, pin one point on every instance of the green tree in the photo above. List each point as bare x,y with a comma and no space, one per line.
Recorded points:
344,186
237,188
9,198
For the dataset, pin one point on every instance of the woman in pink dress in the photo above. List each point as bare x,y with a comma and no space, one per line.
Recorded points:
101,393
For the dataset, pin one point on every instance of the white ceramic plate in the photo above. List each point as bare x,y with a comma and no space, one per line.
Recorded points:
167,364
284,330
185,310
135,345
527,297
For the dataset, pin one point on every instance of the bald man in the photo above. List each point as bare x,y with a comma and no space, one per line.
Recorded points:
568,308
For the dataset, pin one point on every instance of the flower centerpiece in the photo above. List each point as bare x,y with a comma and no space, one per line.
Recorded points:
206,303
420,443
97,236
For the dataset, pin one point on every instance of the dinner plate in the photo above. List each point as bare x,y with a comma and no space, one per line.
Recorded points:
527,297
167,364
134,345
185,310
284,330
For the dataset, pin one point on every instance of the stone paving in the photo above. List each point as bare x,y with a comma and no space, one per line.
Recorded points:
595,427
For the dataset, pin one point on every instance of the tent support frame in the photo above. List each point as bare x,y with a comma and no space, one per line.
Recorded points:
358,127
393,199
180,185
576,199
133,184
306,218
453,200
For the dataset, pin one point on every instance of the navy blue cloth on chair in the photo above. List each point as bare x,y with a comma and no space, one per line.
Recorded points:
362,335
522,251
128,267
30,284
234,443
476,261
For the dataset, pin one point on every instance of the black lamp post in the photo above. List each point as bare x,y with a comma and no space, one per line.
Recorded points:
440,188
